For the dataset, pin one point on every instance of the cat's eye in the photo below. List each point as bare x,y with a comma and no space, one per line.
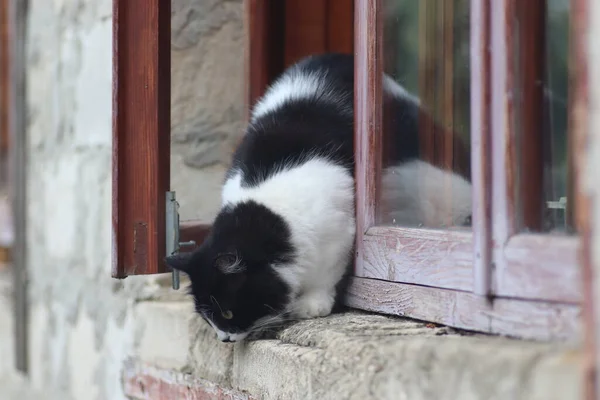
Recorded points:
227,314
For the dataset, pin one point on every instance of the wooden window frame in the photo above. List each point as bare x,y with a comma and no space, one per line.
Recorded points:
587,205
534,289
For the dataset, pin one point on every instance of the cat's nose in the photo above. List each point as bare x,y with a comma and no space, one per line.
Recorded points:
227,340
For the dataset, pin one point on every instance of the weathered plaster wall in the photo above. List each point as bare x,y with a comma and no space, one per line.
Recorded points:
7,342
82,321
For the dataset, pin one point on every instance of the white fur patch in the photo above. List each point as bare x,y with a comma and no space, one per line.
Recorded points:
296,85
418,194
317,201
225,336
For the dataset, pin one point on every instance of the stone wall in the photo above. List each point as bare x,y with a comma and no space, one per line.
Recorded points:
81,320
351,356
207,91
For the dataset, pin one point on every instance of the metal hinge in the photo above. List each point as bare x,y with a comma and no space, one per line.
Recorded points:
172,225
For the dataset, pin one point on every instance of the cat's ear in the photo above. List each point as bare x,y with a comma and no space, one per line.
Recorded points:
179,261
229,264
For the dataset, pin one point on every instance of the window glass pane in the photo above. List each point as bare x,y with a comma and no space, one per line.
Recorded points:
556,78
426,114
541,116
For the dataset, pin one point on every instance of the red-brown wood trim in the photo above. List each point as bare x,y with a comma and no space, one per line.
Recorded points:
141,134
580,140
530,112
446,149
518,31
279,32
368,72
193,230
512,317
305,29
340,26
481,146
264,25
256,49
428,80
444,143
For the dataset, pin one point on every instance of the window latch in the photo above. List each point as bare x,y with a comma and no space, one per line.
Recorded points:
172,235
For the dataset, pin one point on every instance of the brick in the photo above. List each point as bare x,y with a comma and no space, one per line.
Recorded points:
143,382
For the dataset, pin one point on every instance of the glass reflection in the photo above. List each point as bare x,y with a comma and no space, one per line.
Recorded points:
426,114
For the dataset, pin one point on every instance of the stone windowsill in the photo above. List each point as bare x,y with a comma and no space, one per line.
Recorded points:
348,356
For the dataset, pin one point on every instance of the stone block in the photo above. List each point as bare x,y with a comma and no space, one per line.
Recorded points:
164,333
357,356
209,358
172,336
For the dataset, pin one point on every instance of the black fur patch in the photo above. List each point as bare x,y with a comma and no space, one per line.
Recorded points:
258,238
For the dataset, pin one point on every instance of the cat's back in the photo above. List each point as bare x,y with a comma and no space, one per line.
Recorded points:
306,113
297,154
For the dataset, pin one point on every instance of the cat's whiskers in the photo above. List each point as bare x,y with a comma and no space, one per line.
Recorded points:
216,302
269,322
270,308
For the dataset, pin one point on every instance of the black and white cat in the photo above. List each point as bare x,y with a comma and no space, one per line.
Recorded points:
284,238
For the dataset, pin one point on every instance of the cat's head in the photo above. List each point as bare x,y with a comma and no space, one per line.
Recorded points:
234,279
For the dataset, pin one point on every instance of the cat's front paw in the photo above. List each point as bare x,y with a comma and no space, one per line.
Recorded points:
313,305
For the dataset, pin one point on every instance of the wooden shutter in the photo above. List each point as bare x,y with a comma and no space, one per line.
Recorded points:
141,136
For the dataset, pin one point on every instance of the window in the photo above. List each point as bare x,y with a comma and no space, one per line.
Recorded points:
505,273
502,87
